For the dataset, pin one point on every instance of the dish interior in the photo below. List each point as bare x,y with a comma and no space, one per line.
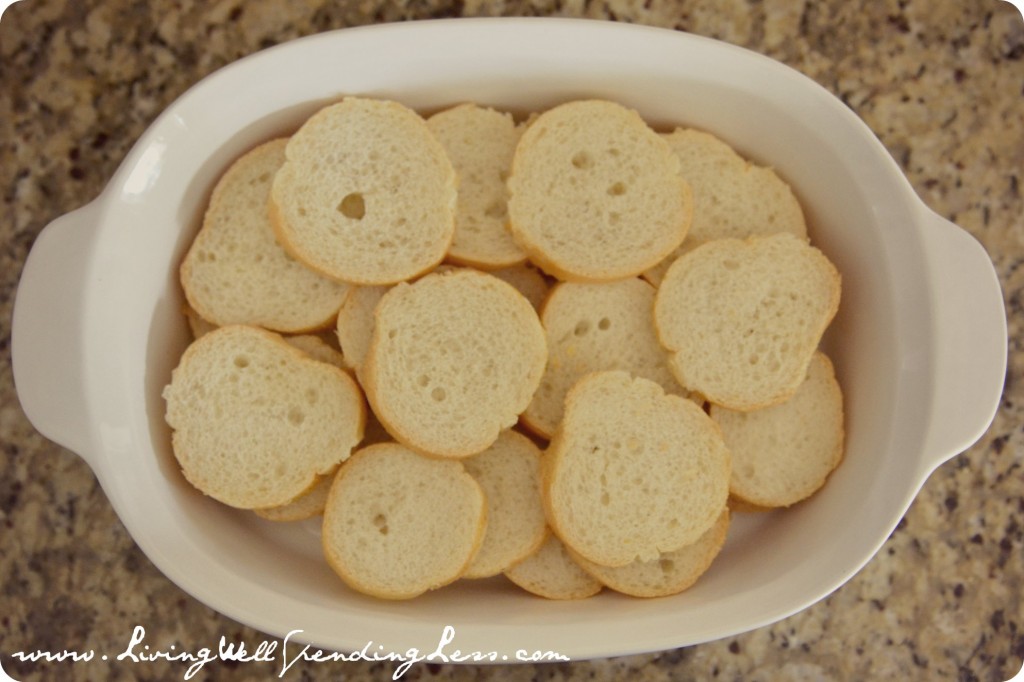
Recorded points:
273,576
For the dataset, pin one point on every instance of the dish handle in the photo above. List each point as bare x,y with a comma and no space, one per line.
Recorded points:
970,335
47,331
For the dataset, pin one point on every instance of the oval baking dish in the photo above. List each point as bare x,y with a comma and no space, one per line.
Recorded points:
919,343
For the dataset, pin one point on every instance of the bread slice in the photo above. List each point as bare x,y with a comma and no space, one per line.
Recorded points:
739,506
366,194
550,572
633,472
307,505
527,280
255,421
311,503
783,454
509,473
455,358
355,324
196,324
398,524
591,327
480,143
316,348
236,273
732,197
743,318
595,194
671,573
355,321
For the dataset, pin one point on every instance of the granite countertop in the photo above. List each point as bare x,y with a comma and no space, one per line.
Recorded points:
941,82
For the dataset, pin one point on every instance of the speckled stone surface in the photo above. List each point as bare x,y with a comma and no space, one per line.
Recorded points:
941,82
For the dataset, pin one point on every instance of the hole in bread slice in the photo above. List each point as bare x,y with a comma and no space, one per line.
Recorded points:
617,189
353,206
582,160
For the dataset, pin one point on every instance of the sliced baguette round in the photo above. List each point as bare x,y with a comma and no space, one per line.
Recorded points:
670,573
398,524
317,348
355,323
739,506
455,358
366,194
196,324
595,194
480,143
591,327
509,473
551,572
784,453
354,328
307,505
256,421
527,280
732,197
235,272
742,318
633,472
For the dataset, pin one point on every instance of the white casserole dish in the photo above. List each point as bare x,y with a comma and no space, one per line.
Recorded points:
919,343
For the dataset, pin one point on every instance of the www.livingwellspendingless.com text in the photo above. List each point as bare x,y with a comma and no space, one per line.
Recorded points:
283,654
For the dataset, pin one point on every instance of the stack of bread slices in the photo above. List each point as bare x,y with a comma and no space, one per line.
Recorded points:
564,350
